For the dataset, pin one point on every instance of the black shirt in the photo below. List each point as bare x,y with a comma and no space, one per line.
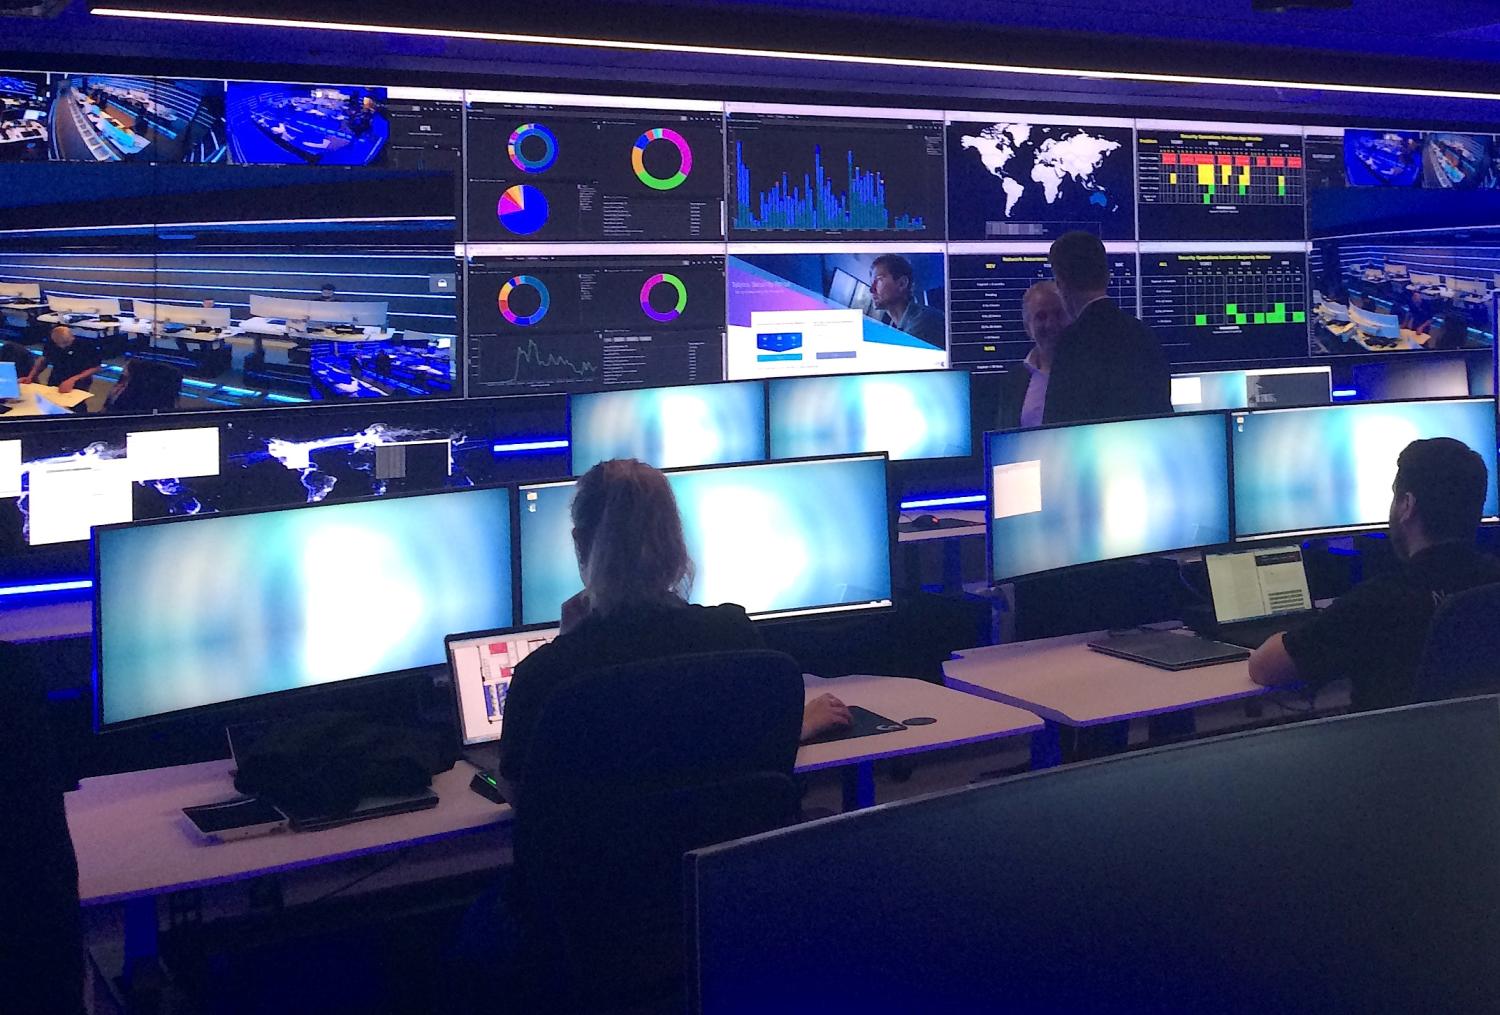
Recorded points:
70,362
627,636
1375,634
1108,365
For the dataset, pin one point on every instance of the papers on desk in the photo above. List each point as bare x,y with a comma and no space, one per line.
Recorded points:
10,468
66,499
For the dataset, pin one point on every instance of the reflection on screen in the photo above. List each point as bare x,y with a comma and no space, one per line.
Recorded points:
214,609
1101,491
704,424
776,538
909,415
1331,467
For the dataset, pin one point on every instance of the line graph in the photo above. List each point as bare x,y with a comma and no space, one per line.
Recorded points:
539,360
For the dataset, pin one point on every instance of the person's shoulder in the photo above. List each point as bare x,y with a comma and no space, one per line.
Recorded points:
728,615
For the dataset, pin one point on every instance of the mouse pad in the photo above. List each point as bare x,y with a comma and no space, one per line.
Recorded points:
865,724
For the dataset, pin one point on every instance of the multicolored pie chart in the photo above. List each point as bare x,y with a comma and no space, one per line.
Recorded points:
540,294
663,315
532,147
684,156
522,209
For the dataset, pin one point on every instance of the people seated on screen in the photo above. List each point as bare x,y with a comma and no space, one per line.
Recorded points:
1025,396
145,386
22,357
1107,365
327,293
627,534
894,300
1417,314
1375,634
71,364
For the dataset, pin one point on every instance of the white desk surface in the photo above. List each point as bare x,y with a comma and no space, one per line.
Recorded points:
1063,680
975,528
132,839
264,326
27,407
961,719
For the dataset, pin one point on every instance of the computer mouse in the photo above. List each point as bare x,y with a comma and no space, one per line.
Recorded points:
926,522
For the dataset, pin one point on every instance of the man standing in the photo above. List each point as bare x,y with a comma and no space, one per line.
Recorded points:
1108,364
891,282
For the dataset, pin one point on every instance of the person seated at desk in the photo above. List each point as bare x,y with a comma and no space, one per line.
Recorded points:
1417,313
145,386
327,293
73,363
1375,634
1044,317
636,572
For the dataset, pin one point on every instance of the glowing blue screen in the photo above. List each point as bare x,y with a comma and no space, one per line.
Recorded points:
906,415
700,424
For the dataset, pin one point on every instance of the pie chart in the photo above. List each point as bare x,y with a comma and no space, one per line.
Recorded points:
522,209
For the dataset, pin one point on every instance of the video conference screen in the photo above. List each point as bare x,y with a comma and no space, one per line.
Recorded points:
1331,468
1064,496
247,605
1212,184
324,125
763,536
694,424
906,415
1214,307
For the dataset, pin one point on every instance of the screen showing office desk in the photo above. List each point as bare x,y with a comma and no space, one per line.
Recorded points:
777,538
1330,468
907,415
210,610
1064,496
699,424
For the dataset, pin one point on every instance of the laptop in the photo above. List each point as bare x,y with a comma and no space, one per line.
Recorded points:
481,664
10,383
1258,593
1168,650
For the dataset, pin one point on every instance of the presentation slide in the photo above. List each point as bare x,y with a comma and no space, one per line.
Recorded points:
323,125
906,415
986,330
696,424
844,312
1383,158
1016,179
100,118
1330,468
802,176
763,536
586,324
1207,184
559,172
1226,306
25,112
246,605
1070,495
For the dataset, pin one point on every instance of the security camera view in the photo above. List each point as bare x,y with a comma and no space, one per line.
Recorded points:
325,125
124,119
24,102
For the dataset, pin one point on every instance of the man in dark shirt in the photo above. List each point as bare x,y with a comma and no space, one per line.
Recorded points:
1108,365
1376,633
73,363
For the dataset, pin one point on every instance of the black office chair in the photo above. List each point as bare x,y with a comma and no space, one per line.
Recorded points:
15,352
631,767
145,386
1462,655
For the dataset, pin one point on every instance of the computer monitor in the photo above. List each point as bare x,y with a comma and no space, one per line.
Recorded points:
1424,280
1330,468
20,291
365,315
481,665
10,384
93,306
206,317
1395,271
1254,584
780,539
1375,325
279,308
696,424
1063,496
217,609
922,414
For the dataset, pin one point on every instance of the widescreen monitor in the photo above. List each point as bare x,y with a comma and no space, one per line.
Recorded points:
1330,468
778,538
1275,387
215,609
696,424
922,414
1069,495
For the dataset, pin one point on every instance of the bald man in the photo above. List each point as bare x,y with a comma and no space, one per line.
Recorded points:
73,363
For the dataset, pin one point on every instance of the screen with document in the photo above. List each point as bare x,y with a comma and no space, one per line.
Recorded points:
1253,584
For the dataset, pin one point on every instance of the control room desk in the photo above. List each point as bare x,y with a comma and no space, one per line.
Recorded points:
1068,684
26,405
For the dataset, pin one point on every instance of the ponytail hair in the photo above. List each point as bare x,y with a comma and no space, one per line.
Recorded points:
628,536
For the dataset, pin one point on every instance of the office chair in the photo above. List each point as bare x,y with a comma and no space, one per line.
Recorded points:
631,767
145,386
1462,655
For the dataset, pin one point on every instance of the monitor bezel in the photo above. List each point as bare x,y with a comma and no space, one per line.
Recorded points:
253,701
765,427
969,428
811,612
989,498
455,698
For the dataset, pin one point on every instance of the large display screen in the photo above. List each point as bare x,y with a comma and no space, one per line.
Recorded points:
1330,468
906,415
1209,182
1070,495
247,605
1225,306
325,125
780,538
696,424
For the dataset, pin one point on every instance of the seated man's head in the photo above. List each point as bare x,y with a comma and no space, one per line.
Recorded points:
627,534
1438,495
1045,318
890,281
62,336
1081,269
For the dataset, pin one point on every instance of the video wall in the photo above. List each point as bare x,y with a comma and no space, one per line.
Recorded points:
567,243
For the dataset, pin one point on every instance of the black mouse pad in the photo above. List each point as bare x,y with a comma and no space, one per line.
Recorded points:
865,724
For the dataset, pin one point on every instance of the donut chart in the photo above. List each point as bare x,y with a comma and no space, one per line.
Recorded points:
507,292
532,147
522,209
663,316
684,155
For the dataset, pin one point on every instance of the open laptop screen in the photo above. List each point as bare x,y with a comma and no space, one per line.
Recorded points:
481,666
1253,584
10,385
